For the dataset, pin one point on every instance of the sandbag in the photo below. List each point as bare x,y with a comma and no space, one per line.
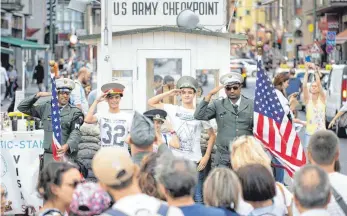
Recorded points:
86,139
90,130
89,145
86,154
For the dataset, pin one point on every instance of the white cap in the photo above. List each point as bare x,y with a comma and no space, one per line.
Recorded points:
231,78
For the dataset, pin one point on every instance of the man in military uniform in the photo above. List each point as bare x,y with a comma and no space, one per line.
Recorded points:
71,118
233,114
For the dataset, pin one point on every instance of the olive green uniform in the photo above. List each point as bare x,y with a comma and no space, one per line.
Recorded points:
231,124
71,120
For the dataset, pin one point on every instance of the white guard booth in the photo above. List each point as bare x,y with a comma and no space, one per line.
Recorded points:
146,59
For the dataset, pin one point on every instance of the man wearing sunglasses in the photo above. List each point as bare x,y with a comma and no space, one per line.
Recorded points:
233,114
114,124
71,118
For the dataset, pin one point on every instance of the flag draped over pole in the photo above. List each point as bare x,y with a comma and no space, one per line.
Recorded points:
56,127
272,127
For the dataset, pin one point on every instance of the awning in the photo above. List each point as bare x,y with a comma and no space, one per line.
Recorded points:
24,44
6,50
341,37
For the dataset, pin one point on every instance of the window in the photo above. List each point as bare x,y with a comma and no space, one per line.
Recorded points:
165,73
247,12
298,4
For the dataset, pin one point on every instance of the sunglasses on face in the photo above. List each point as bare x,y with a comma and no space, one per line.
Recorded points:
62,93
228,88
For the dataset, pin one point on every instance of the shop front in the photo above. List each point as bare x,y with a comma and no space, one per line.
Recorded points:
149,61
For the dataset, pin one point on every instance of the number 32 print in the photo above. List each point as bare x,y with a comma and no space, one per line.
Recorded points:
116,134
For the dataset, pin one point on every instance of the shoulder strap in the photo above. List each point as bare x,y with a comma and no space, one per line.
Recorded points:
165,139
163,210
340,201
115,212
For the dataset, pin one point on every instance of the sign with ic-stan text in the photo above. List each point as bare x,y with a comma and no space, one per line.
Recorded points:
164,12
19,169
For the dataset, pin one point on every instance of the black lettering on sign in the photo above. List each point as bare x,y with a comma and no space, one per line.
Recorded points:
20,186
16,158
119,8
17,171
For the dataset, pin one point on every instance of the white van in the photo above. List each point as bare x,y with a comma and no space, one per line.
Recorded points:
336,94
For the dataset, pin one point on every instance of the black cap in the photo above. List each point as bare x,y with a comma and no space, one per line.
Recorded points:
156,114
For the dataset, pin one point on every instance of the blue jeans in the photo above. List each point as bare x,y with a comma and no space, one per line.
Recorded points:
198,197
279,172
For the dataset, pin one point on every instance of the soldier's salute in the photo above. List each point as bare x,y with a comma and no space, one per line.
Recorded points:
71,118
233,114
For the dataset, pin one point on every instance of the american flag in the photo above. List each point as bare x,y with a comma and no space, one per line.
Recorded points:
56,127
272,126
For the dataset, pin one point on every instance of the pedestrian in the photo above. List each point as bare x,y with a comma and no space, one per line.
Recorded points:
92,97
312,191
234,115
314,98
89,199
158,85
177,179
56,184
3,80
324,151
280,83
223,196
259,190
78,95
142,137
71,118
294,86
158,116
114,124
118,176
39,74
187,128
12,77
244,151
147,181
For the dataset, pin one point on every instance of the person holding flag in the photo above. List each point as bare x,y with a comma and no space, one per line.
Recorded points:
61,121
274,123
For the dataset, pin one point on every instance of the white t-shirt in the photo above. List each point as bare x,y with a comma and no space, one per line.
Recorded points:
280,202
188,130
338,181
114,128
142,204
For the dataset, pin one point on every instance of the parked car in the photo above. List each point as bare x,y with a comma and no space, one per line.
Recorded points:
336,95
249,64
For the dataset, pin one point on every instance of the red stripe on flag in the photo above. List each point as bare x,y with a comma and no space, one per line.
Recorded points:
54,151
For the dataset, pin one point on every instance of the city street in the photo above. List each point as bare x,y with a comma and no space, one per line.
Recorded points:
249,92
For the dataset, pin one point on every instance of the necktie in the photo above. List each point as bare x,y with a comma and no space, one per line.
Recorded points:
236,108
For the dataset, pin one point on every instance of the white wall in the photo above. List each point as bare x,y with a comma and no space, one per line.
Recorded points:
207,52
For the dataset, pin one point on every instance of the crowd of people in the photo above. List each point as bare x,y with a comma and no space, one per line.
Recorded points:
171,160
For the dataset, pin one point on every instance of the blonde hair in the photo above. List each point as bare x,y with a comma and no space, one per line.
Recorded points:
245,150
218,194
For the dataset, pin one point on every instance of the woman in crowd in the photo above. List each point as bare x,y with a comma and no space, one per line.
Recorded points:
259,190
57,182
219,195
314,98
281,83
147,182
89,199
246,150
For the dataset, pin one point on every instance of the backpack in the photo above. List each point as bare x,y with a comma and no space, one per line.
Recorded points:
162,211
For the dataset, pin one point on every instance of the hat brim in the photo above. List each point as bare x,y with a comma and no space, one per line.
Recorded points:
160,119
64,90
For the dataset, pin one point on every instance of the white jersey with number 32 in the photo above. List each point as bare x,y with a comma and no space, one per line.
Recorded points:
114,127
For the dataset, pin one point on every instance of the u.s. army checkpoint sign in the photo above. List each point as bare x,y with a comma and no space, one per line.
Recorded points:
164,12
